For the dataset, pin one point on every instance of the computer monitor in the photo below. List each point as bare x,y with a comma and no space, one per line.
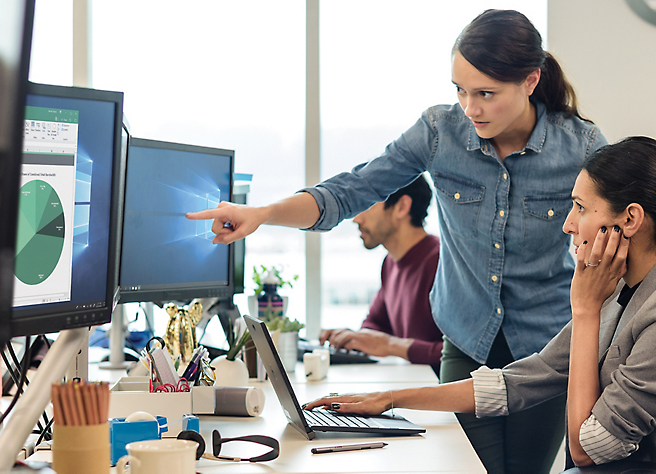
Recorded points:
165,256
70,201
16,20
69,227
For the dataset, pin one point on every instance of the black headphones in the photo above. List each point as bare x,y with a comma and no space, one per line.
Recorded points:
217,441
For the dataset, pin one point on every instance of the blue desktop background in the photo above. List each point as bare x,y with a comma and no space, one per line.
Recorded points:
161,247
95,146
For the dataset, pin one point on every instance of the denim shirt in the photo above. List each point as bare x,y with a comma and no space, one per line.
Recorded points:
505,261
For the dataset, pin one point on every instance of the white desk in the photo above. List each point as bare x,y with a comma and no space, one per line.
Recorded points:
444,448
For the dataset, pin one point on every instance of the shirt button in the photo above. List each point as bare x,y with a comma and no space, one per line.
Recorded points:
498,310
497,246
494,278
523,153
505,175
501,213
550,212
456,196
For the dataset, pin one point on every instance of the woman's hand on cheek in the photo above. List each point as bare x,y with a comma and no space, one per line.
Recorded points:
599,267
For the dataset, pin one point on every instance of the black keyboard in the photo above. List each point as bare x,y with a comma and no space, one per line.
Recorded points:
327,418
337,356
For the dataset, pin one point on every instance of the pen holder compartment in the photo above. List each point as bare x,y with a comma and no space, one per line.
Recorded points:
80,449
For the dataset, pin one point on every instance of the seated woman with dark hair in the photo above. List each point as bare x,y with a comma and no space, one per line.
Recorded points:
604,358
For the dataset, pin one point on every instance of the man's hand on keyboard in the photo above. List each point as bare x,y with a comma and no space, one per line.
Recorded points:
369,341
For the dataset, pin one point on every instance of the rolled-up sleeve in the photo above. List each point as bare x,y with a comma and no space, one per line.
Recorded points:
601,445
490,392
347,194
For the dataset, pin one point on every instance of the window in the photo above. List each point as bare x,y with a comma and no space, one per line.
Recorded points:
220,74
382,65
51,60
232,75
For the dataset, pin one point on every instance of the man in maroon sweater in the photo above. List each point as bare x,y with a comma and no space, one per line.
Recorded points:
399,321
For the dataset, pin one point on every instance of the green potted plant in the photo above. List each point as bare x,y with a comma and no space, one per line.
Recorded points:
259,273
284,331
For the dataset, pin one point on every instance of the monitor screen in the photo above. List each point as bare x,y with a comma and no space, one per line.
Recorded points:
165,256
16,21
70,200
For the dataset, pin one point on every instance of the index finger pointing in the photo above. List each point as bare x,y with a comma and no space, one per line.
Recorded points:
206,214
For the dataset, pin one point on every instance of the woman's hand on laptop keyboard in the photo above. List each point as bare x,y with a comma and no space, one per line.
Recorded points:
361,403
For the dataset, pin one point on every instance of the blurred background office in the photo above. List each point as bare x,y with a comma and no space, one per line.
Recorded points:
233,75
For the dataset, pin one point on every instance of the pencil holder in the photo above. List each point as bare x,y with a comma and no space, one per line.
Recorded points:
80,449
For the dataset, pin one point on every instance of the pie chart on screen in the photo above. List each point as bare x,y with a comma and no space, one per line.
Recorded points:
40,237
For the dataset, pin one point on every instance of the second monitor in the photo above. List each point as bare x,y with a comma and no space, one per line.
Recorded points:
165,256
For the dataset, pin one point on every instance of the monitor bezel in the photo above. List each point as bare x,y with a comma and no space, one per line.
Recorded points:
163,295
10,177
49,319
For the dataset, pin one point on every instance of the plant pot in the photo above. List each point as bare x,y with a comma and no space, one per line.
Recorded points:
287,346
229,373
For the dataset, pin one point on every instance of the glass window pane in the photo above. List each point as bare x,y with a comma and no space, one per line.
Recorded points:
220,74
382,65
52,43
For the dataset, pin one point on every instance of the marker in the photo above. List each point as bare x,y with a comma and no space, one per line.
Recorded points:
347,447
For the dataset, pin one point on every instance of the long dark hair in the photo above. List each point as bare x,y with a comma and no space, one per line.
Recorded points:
625,173
504,45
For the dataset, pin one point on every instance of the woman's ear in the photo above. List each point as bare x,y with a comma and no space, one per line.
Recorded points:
633,217
532,81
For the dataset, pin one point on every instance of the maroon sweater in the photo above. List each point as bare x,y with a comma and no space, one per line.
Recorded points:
402,306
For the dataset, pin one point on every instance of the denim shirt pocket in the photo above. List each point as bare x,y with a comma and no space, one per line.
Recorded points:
543,220
460,202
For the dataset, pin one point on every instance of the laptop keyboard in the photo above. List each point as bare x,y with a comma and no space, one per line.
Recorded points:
325,418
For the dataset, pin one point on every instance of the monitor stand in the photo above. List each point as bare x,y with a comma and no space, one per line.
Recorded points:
117,340
37,395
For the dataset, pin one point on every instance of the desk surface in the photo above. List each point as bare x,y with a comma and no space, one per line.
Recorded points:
444,448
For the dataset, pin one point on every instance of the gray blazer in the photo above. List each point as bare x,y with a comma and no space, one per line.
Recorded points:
627,370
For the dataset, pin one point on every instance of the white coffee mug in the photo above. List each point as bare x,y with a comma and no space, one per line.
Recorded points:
316,364
159,455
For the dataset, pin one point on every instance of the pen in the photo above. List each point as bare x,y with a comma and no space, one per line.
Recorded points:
347,447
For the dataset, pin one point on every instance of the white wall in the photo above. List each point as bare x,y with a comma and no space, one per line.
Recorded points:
609,55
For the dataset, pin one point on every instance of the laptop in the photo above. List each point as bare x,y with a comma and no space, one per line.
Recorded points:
309,422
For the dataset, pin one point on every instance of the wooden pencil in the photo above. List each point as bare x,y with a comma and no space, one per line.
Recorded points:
57,408
66,404
79,403
72,405
105,407
90,397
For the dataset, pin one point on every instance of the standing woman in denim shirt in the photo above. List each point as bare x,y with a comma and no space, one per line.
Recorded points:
503,162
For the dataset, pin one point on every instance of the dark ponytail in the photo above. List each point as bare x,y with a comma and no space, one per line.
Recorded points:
625,173
504,45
